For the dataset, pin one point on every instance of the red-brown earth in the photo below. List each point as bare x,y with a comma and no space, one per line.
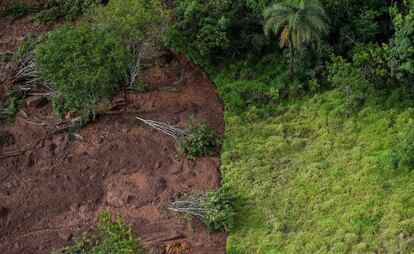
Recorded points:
52,187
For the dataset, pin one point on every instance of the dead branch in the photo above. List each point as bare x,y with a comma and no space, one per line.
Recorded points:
174,132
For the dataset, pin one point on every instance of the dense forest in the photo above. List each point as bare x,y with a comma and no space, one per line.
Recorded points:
318,149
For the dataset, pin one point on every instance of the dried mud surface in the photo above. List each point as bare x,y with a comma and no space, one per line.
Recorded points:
52,187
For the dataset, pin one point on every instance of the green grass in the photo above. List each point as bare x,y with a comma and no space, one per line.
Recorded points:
314,181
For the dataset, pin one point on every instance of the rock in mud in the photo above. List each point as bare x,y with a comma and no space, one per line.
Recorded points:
114,198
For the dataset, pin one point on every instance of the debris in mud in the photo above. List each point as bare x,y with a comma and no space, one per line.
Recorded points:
36,101
178,248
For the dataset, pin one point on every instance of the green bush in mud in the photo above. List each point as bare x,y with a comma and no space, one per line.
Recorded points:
112,236
200,142
83,64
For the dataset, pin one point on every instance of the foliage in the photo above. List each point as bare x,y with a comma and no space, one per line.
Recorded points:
299,23
355,21
220,210
84,65
16,100
404,151
350,80
401,59
142,21
208,31
68,9
19,10
113,237
371,59
310,22
141,25
314,181
215,208
200,142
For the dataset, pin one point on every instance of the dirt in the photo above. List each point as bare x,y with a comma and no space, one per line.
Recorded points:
52,187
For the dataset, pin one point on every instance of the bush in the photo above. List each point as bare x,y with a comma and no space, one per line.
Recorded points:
83,64
68,9
113,236
350,80
208,31
132,20
372,58
200,142
401,59
19,10
214,208
16,100
404,152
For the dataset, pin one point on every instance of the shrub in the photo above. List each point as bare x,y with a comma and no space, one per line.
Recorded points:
372,58
16,100
19,10
214,208
404,152
84,65
140,24
113,236
68,9
401,59
132,20
200,142
208,31
350,80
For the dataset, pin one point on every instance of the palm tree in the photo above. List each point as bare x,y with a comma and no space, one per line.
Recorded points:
300,23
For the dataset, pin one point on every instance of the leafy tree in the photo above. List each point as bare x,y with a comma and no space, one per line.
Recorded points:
132,20
401,60
210,31
83,64
299,23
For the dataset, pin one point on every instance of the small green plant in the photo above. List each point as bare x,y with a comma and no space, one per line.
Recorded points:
16,100
200,142
112,236
215,208
19,10
68,9
83,64
403,153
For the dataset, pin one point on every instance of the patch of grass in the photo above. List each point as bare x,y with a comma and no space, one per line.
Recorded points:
112,236
315,181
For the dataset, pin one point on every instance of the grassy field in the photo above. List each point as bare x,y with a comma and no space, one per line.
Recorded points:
313,180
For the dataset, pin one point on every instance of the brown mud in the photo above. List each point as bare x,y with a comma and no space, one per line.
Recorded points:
52,187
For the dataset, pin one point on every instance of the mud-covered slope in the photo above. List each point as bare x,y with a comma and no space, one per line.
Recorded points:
51,187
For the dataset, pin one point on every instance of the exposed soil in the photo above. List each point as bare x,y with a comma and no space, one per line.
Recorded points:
51,187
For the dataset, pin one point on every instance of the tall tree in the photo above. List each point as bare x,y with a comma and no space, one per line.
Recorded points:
299,23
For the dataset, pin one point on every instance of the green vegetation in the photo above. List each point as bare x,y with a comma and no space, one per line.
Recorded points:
313,180
113,236
300,24
16,100
84,65
19,10
68,9
215,208
319,135
201,141
141,21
